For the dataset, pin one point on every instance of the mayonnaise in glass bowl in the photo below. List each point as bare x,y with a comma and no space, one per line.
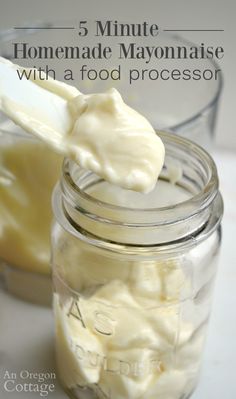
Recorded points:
28,172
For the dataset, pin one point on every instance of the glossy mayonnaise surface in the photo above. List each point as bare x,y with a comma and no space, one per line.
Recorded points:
99,131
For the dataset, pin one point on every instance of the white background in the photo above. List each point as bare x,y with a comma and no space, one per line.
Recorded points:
34,340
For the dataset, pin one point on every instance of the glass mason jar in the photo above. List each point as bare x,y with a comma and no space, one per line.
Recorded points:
133,277
28,173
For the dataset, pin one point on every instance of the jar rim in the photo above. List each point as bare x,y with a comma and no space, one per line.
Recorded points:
104,223
196,202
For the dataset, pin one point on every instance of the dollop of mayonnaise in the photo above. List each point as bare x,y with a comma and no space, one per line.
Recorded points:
115,141
99,131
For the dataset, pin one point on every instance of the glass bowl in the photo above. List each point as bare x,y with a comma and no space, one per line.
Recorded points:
185,107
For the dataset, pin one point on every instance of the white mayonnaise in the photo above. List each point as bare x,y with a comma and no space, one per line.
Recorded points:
99,131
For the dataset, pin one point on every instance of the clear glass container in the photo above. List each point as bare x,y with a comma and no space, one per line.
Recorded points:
186,107
133,277
28,173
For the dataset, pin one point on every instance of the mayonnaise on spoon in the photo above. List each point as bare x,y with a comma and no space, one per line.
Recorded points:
98,131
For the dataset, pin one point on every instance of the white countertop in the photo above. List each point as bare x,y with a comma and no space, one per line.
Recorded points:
26,331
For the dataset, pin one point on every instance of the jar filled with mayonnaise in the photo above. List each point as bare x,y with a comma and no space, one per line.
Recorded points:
133,278
28,172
